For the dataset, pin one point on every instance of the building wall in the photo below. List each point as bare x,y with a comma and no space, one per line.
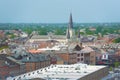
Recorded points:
72,58
87,58
98,75
64,56
60,62
31,66
10,70
22,69
90,58
14,70
69,58
4,72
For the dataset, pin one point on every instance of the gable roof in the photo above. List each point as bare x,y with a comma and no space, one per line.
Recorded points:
86,50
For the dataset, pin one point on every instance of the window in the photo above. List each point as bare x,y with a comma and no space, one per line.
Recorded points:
24,76
81,54
33,72
37,71
78,55
78,59
81,59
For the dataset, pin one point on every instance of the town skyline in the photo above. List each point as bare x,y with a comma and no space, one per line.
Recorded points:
55,51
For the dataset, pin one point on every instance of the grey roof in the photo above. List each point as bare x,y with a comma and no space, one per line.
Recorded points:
87,39
39,37
98,50
6,61
52,54
14,60
47,37
111,51
34,58
18,51
59,37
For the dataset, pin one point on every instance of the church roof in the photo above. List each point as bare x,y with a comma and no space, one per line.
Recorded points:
47,37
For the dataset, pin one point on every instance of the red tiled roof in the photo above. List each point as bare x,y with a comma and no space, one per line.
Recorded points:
35,51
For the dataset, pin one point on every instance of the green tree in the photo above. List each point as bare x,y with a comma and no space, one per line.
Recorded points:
116,64
117,40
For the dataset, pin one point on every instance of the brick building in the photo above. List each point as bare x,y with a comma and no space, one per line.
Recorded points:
35,61
86,55
9,67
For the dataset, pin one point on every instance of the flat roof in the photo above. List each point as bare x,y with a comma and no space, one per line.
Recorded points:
60,72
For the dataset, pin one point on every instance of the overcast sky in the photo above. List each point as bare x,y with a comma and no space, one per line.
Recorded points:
58,11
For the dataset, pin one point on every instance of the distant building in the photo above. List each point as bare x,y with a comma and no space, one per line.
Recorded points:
92,29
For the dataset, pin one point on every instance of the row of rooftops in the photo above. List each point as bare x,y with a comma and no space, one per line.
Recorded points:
42,55
22,55
60,72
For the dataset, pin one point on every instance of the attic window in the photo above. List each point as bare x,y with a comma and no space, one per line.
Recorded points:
19,77
37,71
28,58
85,72
24,76
6,63
15,52
33,72
77,68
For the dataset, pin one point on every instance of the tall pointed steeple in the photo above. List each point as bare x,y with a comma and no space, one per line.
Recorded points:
68,34
70,22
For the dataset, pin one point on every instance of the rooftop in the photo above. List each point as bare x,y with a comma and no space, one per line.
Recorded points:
86,50
60,72
47,37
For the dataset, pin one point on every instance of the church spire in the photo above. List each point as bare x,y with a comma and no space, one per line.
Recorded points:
68,34
70,22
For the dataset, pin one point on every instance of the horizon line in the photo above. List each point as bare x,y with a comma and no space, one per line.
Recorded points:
52,22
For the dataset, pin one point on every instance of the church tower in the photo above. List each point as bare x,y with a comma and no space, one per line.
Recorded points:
70,27
70,33
67,35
